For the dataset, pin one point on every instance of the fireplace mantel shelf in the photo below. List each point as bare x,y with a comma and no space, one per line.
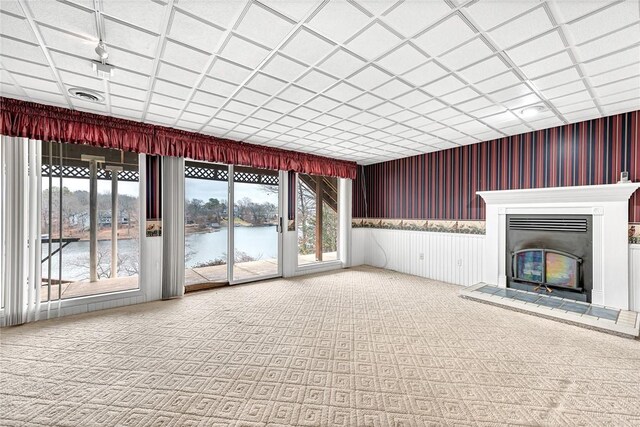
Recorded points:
585,193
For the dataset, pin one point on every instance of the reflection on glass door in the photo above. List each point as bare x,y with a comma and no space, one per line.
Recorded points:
206,223
256,231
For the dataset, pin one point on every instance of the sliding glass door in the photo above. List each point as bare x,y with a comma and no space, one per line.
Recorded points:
231,210
256,231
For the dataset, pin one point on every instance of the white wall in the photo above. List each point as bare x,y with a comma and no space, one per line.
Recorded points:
634,277
448,257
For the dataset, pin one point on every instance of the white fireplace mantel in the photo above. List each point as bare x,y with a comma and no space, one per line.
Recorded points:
609,205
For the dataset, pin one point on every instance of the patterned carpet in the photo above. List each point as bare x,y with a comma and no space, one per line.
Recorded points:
359,347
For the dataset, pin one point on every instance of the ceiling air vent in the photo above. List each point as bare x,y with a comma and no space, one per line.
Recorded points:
86,94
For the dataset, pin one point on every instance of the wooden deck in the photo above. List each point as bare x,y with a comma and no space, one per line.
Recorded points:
193,276
81,289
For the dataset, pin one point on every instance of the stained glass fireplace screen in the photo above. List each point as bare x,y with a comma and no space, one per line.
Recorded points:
562,270
529,265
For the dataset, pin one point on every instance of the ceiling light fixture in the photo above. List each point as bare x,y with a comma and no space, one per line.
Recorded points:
102,69
101,50
86,94
532,111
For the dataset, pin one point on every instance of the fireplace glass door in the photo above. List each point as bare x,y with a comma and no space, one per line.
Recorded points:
547,267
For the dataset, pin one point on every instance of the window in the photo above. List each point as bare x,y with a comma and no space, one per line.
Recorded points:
89,237
317,218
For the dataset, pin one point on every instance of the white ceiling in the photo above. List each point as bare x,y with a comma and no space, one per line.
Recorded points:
363,80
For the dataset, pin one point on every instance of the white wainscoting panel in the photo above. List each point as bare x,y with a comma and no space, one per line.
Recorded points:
634,277
448,257
359,238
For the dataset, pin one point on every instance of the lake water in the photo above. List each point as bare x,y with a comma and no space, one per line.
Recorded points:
257,242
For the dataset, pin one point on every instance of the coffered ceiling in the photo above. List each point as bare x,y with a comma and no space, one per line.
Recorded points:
363,80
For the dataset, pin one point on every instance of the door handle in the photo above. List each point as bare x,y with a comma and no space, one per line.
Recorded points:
279,225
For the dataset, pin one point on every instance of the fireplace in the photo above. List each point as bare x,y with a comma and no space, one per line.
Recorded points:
550,254
606,207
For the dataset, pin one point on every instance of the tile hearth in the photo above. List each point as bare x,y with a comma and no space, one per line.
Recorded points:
606,319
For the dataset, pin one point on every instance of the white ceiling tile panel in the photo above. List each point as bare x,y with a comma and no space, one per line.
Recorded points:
373,41
23,67
425,73
76,20
612,61
458,96
500,81
79,80
521,29
36,83
343,92
467,54
136,80
412,98
223,14
321,103
146,14
283,68
483,70
250,96
402,59
17,49
510,93
568,10
552,63
184,56
204,110
392,89
219,87
338,20
446,35
623,38
186,29
370,77
341,64
171,89
597,24
539,47
16,27
130,38
229,71
444,85
69,43
176,74
202,97
266,26
280,105
122,102
244,52
307,47
410,16
316,81
240,107
127,91
127,60
556,79
617,74
491,13
565,89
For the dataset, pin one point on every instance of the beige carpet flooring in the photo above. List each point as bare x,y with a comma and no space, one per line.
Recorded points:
359,347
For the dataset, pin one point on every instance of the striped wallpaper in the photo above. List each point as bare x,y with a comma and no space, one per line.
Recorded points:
443,185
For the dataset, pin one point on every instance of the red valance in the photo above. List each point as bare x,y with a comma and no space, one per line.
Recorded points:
48,123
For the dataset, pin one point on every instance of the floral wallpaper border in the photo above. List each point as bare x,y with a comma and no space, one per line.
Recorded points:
437,226
634,233
449,226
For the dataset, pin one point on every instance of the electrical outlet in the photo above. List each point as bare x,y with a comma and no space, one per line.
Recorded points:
421,256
